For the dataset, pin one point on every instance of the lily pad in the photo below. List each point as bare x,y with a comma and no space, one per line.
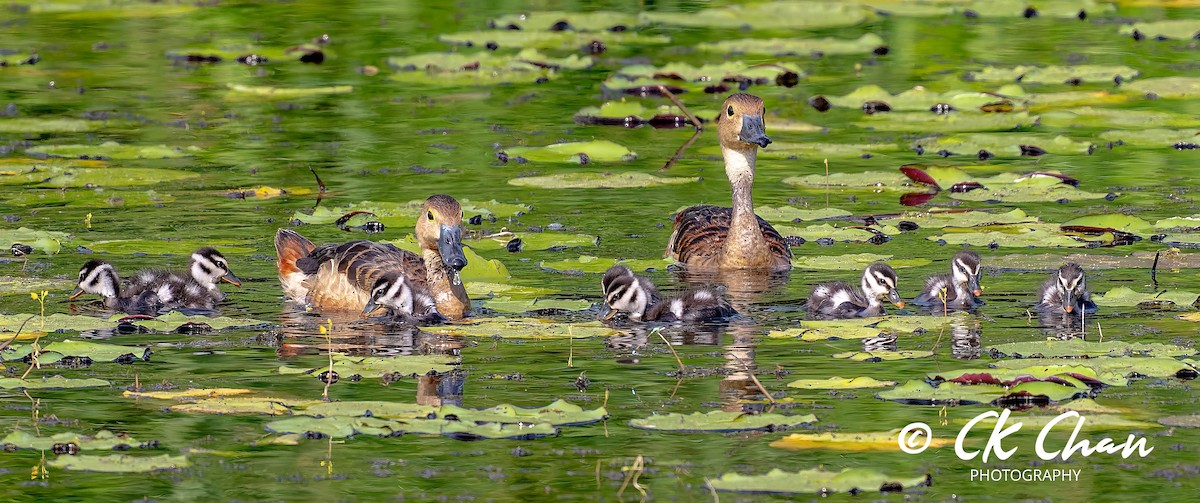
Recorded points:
1122,296
852,262
582,21
1078,348
1091,422
1188,421
925,122
599,180
1118,221
187,393
54,175
815,481
523,328
114,150
1016,236
286,93
916,99
1167,87
939,219
1152,137
598,265
719,421
793,214
836,233
346,426
183,247
48,242
574,152
510,305
869,441
1053,74
173,320
1004,144
477,269
46,125
814,47
1133,120
55,382
483,68
628,113
25,285
375,366
793,15
119,463
878,356
405,215
558,413
1116,370
872,180
101,440
97,351
922,392
1076,375
535,240
235,405
545,39
1178,29
841,383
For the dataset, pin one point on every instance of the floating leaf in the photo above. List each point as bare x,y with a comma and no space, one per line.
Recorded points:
574,152
346,426
1122,296
375,366
878,356
483,68
24,285
925,122
46,125
48,242
582,21
841,383
541,39
1118,221
535,240
183,247
874,180
1090,422
597,265
719,421
1189,421
1078,348
509,305
114,150
59,175
870,441
235,405
632,113
119,463
776,15
1003,144
101,440
1178,29
599,181
187,393
405,214
840,234
922,392
173,320
479,289
1053,74
1152,137
1137,120
808,47
97,351
816,150
821,330
523,328
1116,370
939,219
1167,87
705,77
792,214
1074,375
1016,236
558,413
286,93
54,382
852,262
815,481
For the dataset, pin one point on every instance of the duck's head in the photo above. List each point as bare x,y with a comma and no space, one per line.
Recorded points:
98,277
740,123
439,228
879,282
1071,285
208,267
965,267
625,293
393,292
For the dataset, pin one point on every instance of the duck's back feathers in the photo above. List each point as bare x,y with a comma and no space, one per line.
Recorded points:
292,249
702,231
341,276
697,305
837,300
935,284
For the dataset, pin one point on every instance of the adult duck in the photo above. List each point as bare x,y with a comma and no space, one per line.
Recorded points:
717,238
347,276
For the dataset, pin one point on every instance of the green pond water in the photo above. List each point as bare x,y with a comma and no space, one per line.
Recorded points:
386,126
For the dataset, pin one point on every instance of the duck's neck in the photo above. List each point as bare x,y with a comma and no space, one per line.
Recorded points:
744,234
446,287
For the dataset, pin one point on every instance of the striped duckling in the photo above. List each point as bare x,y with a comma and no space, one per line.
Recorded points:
1066,291
961,285
837,300
637,297
195,288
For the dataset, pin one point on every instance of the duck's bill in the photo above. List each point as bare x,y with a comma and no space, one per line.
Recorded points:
753,131
230,278
451,247
370,308
976,290
609,314
75,293
894,298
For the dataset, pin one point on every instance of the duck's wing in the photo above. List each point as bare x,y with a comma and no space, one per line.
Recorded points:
700,232
363,262
835,300
933,286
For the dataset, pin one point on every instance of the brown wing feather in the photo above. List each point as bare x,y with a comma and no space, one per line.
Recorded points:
342,275
700,231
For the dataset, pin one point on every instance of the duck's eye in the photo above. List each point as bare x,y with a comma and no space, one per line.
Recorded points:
729,111
429,214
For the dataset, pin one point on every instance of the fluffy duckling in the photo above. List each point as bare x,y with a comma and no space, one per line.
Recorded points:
393,292
709,237
195,288
638,298
961,285
839,300
1066,290
345,276
100,278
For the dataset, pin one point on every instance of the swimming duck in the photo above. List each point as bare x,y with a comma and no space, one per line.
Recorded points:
837,300
713,237
961,285
637,297
345,276
195,288
1066,290
394,292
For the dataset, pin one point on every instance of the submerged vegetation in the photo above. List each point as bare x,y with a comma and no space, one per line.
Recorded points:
902,131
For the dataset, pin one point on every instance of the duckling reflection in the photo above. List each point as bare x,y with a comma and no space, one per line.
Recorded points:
300,334
965,335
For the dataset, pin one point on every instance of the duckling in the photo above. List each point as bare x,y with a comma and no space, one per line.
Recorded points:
194,289
837,300
961,285
393,292
1066,290
344,276
638,298
710,237
100,278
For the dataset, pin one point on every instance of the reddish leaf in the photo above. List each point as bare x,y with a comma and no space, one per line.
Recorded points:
918,175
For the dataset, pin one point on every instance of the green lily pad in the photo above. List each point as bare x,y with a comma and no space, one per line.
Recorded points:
558,413
545,39
625,112
1078,348
1077,375
1178,29
235,405
925,122
1131,120
25,285
101,440
55,351
1091,422
483,68
54,382
171,322
1167,87
581,21
114,150
535,240
48,242
820,331
922,392
867,441
53,175
46,125
841,383
1185,223
827,46
1003,144
1151,137
916,99
699,77
119,463
1188,421
574,152
375,366
816,150
1016,236
791,15
1122,296
523,328
719,421
939,219
89,198
1025,189
1114,370
597,265
510,305
394,214
232,49
992,9
286,93
852,262
815,481
840,234
1053,74
347,426
878,356
872,180
792,213
599,180
480,289
1118,221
